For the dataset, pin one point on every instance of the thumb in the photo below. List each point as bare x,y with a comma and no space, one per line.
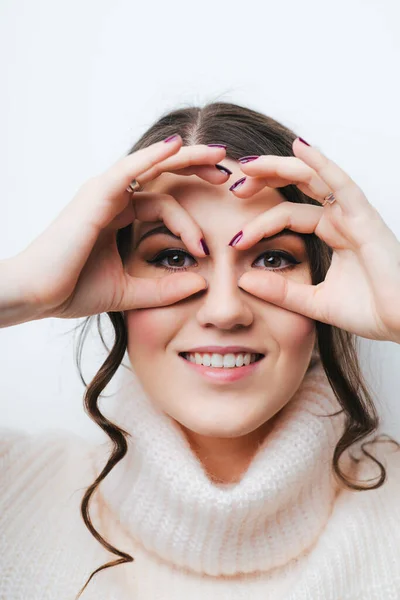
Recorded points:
291,295
146,292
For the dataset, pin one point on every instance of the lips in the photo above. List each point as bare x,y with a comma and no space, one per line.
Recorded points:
227,374
222,350
258,357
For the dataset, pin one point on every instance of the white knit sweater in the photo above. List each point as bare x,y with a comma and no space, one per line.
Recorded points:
288,530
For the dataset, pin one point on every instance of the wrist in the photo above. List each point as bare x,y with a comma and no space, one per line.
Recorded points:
16,305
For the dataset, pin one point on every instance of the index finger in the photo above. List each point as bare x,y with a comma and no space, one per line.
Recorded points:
186,157
130,167
303,218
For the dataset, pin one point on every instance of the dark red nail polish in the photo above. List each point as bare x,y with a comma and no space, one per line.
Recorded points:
171,137
236,238
246,159
224,169
304,141
217,146
204,246
237,184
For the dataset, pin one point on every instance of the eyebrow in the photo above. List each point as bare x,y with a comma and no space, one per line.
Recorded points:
162,229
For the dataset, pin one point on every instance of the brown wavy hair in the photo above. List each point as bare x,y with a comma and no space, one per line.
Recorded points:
245,132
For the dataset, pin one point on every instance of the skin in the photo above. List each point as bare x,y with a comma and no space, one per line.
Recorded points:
223,423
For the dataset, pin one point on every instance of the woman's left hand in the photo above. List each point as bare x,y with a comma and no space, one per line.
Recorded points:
361,290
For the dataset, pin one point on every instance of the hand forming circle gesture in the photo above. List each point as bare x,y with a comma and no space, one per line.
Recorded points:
361,289
74,269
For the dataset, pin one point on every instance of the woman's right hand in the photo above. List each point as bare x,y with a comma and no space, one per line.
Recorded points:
73,269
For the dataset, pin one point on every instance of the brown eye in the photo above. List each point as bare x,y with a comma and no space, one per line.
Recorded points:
274,258
172,260
273,261
175,260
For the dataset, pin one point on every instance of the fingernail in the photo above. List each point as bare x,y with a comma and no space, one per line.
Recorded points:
217,146
224,169
246,159
171,137
304,141
204,246
237,184
236,238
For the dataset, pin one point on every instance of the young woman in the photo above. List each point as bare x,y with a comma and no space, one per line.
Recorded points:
238,465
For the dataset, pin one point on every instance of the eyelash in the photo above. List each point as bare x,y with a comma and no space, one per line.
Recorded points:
171,252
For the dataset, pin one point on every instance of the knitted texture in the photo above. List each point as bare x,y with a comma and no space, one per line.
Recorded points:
287,530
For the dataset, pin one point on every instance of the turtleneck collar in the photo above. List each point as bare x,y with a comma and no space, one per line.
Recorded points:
163,498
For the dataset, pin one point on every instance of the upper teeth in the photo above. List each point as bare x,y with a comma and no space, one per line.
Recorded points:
221,360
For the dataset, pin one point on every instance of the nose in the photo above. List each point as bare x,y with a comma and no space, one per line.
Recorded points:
224,305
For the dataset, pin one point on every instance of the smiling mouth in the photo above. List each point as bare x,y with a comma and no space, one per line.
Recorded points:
257,358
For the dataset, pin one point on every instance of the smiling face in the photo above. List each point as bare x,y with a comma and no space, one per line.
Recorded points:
223,419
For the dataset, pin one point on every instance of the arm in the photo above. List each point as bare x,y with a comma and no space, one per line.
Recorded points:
15,305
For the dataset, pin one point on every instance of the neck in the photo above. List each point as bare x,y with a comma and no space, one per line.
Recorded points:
162,498
225,460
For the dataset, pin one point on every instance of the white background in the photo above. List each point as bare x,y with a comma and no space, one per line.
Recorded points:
82,80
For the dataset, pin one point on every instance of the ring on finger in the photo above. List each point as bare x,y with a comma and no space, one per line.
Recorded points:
329,199
134,186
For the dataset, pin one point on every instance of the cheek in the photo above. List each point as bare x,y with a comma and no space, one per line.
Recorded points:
293,332
149,329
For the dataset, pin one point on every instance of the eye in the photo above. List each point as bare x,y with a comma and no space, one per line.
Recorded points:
277,256
174,260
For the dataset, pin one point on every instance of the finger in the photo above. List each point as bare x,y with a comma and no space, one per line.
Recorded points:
104,196
303,218
301,298
209,173
279,171
108,191
215,174
160,291
132,166
186,157
125,218
347,193
150,206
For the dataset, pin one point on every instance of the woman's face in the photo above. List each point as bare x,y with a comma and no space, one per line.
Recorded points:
211,410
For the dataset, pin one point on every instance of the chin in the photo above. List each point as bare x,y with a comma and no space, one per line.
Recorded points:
219,417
